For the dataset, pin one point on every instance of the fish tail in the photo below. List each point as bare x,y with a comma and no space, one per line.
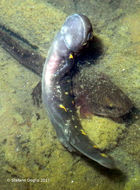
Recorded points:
80,141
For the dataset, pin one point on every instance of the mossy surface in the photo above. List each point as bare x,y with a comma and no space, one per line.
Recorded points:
29,148
100,131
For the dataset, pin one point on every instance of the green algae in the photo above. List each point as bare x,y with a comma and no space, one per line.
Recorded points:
132,141
121,60
36,22
100,131
29,147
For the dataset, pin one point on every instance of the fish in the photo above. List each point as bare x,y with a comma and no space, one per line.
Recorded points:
112,102
60,96
57,88
24,55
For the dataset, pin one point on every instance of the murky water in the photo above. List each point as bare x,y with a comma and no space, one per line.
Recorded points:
31,157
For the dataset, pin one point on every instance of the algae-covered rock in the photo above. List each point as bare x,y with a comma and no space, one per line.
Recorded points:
132,141
103,132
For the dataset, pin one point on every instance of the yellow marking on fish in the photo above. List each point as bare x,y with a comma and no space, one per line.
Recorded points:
72,102
103,155
70,56
63,107
83,132
66,93
84,44
95,146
